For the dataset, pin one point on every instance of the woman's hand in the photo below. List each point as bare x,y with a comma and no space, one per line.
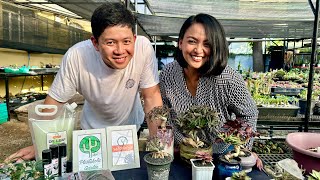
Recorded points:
26,153
258,161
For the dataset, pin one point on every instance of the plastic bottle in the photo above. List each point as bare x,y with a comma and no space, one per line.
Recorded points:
46,162
55,159
62,159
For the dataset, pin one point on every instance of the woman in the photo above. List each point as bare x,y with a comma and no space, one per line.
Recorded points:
200,76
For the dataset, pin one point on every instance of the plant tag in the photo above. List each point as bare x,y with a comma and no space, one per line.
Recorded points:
89,150
56,138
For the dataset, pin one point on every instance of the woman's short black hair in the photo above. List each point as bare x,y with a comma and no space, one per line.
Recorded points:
217,42
108,15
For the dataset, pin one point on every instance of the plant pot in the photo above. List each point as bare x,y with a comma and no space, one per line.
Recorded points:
189,152
226,169
300,142
291,111
158,169
201,172
247,161
303,106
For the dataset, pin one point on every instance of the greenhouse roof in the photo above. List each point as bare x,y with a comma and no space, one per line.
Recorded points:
240,18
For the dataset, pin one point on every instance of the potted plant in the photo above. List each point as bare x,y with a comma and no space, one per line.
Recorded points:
161,145
237,133
202,167
164,131
158,161
195,124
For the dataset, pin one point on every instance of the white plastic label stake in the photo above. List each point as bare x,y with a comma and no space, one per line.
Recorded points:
45,106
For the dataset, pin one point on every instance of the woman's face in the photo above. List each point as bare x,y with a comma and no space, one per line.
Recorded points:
194,46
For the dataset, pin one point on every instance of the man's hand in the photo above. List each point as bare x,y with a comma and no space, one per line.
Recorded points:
26,153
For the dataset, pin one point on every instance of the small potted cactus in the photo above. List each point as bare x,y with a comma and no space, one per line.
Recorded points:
202,167
196,124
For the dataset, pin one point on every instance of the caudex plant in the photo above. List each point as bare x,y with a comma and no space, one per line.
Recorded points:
195,122
237,133
163,137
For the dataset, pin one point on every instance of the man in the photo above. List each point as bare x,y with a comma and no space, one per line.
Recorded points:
108,71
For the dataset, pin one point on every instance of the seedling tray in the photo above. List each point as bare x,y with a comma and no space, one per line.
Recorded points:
272,159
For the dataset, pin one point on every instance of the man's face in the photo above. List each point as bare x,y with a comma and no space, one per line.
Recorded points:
116,46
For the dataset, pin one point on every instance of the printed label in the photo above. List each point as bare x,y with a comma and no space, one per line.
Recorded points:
55,167
122,147
56,138
63,165
47,170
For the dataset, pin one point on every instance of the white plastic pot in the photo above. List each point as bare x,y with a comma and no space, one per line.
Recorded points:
201,172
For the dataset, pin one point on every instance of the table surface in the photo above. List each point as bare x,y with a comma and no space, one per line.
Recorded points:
178,171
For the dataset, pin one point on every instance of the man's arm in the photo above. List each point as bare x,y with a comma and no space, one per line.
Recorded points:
152,98
50,101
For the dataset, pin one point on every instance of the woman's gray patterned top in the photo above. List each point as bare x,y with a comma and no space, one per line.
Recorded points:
226,93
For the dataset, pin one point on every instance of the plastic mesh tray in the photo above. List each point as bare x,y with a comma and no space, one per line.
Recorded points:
272,159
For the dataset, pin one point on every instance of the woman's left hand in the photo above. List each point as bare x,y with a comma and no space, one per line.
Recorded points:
258,161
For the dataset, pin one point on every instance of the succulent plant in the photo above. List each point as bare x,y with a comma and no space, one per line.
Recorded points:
236,132
164,136
242,175
195,122
205,157
159,113
156,146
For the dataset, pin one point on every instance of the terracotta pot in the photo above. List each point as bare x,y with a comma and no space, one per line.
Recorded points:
300,142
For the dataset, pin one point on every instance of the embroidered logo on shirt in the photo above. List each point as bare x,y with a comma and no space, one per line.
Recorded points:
130,83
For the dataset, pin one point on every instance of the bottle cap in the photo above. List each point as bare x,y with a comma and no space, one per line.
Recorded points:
46,155
71,106
62,150
54,151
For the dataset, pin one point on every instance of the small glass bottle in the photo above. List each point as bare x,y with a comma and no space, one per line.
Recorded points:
46,162
55,159
62,159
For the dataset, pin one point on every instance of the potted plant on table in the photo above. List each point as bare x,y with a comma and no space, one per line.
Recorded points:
164,131
195,124
202,167
237,133
161,146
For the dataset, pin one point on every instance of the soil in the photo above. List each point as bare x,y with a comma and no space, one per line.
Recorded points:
14,135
